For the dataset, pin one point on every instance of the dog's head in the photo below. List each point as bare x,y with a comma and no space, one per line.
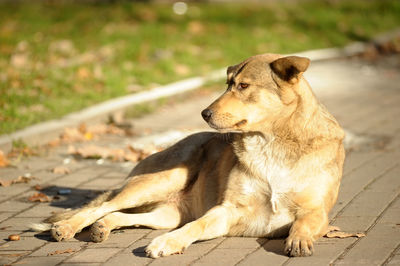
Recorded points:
260,90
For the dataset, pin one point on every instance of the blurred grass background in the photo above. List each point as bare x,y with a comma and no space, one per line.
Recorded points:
59,57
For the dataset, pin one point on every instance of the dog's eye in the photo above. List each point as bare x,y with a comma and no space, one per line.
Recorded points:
243,86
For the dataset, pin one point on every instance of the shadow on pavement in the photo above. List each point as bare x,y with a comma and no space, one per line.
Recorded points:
274,245
66,197
139,252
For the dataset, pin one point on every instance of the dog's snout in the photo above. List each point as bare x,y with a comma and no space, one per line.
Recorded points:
206,114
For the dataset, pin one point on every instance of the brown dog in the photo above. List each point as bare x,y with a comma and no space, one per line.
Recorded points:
273,170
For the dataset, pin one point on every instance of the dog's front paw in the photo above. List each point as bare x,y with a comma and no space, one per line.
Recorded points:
99,231
62,231
165,245
299,246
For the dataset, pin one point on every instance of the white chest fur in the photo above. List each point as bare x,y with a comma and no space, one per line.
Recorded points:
269,178
266,162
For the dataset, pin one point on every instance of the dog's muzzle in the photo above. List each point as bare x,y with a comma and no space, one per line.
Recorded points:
206,114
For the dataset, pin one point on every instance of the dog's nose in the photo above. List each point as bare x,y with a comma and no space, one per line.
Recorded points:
206,114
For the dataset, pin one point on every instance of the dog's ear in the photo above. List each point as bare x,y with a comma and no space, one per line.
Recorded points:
229,72
288,68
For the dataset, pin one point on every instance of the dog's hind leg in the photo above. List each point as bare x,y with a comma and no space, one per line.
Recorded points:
165,216
153,180
141,190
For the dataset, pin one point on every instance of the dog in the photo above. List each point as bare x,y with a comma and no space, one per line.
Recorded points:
272,169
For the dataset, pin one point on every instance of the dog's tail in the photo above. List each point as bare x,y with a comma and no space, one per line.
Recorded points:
47,224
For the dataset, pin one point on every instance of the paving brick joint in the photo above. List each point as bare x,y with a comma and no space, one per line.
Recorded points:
362,94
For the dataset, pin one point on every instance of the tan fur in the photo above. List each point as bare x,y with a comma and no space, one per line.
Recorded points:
273,170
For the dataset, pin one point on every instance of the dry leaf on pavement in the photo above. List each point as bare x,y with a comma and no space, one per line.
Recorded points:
96,152
334,232
61,170
4,162
20,179
58,252
72,135
40,197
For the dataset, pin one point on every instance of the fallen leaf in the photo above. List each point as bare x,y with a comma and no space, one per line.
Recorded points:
20,179
14,237
58,252
133,157
54,143
340,234
40,197
38,187
96,152
61,170
5,183
24,151
72,135
4,162
101,129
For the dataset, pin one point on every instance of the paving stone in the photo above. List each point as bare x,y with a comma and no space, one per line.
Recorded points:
271,253
369,203
80,176
126,258
11,173
14,190
177,259
212,241
138,247
15,206
40,210
119,240
391,177
377,246
154,233
93,255
103,183
35,261
50,248
76,264
355,159
355,181
199,249
26,243
8,257
227,256
326,251
18,224
395,260
34,164
120,174
242,242
354,223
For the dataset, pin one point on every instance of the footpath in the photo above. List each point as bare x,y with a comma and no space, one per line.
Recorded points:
363,95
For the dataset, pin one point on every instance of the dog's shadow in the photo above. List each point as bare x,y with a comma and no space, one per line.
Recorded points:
273,245
140,252
66,197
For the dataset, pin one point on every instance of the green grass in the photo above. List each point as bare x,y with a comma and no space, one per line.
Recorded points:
59,58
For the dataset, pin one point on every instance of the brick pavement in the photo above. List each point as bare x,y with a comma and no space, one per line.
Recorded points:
364,96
